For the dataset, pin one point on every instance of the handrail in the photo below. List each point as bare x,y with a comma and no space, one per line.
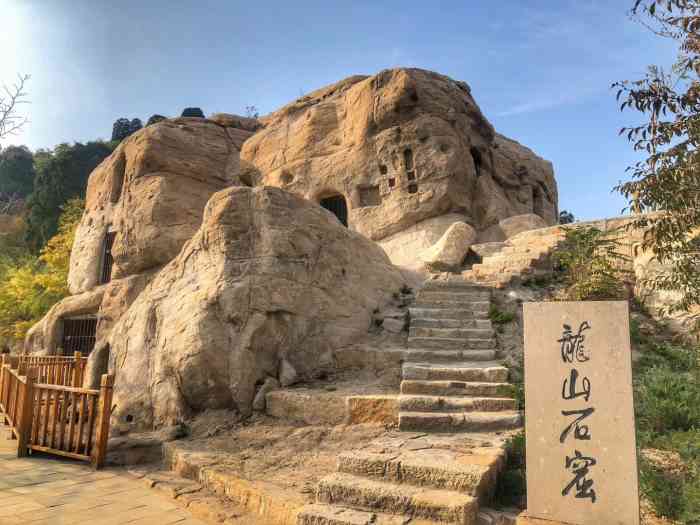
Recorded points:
61,419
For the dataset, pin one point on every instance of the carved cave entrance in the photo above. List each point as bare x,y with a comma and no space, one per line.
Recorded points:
337,206
107,258
79,334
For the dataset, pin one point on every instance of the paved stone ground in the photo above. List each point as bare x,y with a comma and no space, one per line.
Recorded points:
43,490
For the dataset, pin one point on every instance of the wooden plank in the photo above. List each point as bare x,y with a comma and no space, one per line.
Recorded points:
71,425
81,415
62,422
26,414
102,431
60,388
63,453
91,423
45,424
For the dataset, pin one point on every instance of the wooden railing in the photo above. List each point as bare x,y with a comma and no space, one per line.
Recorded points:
57,370
68,421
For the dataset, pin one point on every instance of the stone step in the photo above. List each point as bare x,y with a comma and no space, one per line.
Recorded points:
430,355
323,514
467,473
445,506
458,421
456,404
456,388
474,306
482,372
450,343
451,333
457,284
426,322
436,312
435,296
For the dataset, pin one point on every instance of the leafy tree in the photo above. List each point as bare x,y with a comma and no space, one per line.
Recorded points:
61,175
566,217
16,172
593,267
135,125
192,112
10,100
155,119
668,180
252,112
30,286
121,129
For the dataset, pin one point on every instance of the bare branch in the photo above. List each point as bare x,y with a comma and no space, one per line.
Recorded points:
11,122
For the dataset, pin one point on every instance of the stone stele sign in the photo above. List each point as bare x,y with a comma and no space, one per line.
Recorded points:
579,415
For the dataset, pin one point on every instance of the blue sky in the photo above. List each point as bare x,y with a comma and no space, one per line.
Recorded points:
539,69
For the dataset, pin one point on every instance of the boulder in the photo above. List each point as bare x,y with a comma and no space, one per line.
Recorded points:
449,252
260,401
521,223
399,147
151,192
267,277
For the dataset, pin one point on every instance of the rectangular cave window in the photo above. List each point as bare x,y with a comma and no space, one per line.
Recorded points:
79,334
408,159
413,188
107,258
369,196
392,182
411,175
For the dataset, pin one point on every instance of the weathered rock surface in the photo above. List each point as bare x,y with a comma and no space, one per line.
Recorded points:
449,252
400,147
521,223
151,191
267,277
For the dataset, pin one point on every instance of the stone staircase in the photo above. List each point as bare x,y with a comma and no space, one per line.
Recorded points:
452,383
527,254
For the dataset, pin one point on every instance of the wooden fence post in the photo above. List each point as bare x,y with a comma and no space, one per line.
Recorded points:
99,450
26,414
78,370
2,378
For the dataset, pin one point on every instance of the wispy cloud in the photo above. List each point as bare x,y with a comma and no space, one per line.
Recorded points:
553,101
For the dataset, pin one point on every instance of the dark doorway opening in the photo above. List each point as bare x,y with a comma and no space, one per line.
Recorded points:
79,335
338,207
107,258
476,157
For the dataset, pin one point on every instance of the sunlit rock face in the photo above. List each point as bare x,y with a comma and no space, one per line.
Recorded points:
270,280
400,147
151,193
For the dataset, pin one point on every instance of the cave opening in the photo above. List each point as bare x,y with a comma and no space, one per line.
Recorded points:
337,205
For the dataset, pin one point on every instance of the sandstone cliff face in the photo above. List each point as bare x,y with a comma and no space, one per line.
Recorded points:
401,147
269,278
151,192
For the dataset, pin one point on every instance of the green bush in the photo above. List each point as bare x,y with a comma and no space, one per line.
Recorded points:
499,317
664,491
593,268
511,488
667,400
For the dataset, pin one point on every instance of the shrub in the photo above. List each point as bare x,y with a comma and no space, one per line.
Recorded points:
511,488
664,491
593,267
667,400
499,317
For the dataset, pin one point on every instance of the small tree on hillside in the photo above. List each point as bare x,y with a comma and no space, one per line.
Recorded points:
153,119
566,217
192,112
121,129
668,181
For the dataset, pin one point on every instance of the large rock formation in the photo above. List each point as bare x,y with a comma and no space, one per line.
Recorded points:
268,279
401,147
151,192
